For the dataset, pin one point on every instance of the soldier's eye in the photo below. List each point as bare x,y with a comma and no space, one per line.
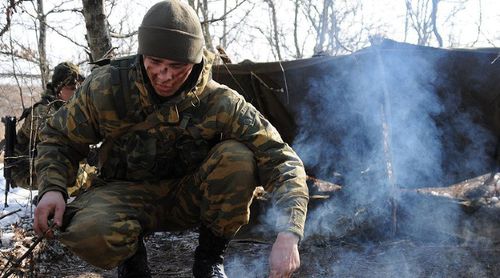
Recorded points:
153,60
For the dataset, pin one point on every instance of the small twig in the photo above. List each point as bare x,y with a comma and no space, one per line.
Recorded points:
387,134
10,213
496,59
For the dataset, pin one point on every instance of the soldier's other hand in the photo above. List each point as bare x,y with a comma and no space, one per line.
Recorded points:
284,258
51,204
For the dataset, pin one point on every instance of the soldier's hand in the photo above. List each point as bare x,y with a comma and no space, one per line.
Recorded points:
284,258
51,205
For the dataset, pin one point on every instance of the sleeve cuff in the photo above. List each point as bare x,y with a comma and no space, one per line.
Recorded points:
292,222
45,189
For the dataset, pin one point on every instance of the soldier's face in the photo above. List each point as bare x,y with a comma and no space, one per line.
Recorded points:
166,76
67,92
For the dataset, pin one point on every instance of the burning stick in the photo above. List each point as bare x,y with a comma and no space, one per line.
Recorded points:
322,187
386,132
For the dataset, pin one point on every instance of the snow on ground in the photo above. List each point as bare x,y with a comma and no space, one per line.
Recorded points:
18,201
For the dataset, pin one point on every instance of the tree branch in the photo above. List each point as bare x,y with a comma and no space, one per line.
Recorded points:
122,36
222,17
8,13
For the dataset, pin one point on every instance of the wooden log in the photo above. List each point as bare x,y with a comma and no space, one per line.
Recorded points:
466,213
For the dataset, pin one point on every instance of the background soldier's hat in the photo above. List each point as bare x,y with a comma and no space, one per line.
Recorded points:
66,73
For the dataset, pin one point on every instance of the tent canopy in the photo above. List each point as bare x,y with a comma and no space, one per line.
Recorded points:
391,102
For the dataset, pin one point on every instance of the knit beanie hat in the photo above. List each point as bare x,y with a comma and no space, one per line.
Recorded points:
65,73
171,30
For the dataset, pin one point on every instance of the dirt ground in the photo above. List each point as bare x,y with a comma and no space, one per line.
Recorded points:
357,251
170,255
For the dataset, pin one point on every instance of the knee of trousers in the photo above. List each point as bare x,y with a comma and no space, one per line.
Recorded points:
232,151
102,243
233,164
228,187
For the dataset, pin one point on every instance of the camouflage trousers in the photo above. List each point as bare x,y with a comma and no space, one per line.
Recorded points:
103,224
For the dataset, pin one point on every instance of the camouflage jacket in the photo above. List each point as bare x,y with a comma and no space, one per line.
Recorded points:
181,133
27,136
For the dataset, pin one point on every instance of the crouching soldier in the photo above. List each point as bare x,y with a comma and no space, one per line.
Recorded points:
65,80
179,151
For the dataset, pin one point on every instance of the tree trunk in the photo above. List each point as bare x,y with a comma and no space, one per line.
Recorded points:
298,52
407,19
98,36
323,28
206,26
42,42
434,24
275,31
224,27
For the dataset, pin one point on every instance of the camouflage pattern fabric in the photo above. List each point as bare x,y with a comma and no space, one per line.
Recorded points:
182,132
27,139
218,194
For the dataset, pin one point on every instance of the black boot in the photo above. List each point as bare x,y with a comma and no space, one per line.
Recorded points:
209,255
137,265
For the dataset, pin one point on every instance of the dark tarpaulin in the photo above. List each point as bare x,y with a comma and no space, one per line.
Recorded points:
465,81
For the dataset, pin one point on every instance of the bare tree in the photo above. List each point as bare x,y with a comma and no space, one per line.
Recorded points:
275,41
322,27
122,32
298,49
98,36
239,12
40,26
422,17
42,44
434,24
40,58
213,22
294,28
338,26
480,22
9,10
224,27
407,25
206,25
16,50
